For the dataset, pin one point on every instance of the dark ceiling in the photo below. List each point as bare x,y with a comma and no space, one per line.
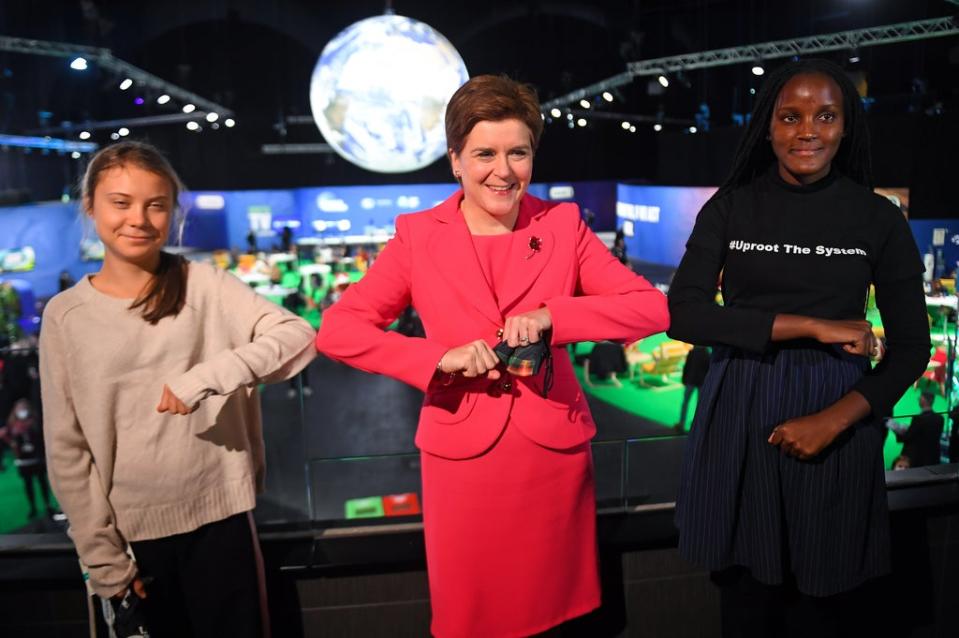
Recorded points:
257,57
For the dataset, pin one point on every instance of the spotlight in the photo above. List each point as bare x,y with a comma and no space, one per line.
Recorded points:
625,125
569,116
657,127
212,117
692,129
138,101
663,81
607,96
758,69
163,99
84,135
189,108
555,112
79,64
581,121
571,124
126,84
75,154
752,91
114,136
229,122
123,131
632,128
584,104
193,126
853,59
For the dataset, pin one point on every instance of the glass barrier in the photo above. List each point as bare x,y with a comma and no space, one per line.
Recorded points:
334,434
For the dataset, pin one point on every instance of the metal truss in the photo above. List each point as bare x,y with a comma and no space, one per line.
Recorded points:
106,60
873,36
891,34
308,148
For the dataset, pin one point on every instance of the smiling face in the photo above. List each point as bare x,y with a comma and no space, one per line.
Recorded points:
494,166
132,210
807,127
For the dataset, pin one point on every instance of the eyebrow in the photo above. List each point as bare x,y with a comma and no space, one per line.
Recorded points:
150,199
787,105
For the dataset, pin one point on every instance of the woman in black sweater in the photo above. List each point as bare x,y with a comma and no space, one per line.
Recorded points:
783,492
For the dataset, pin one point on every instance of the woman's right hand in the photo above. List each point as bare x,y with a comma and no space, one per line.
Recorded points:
855,335
471,360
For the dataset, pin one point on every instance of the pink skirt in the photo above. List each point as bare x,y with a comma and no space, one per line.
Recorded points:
510,538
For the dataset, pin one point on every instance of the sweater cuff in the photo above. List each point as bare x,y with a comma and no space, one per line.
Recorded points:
110,581
188,389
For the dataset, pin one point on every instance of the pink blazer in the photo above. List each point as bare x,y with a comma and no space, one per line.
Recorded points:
431,264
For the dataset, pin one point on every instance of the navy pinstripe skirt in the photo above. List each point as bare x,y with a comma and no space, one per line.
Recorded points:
742,502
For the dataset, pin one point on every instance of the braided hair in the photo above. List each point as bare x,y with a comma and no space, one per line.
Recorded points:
755,154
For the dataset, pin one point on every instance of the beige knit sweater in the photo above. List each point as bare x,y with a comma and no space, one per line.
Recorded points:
122,471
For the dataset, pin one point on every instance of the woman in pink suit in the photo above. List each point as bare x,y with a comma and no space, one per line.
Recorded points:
508,497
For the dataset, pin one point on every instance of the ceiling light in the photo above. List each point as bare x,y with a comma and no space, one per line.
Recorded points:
114,136
663,81
657,127
75,154
189,108
555,112
79,64
632,128
212,117
692,129
126,84
193,126
758,69
584,103
625,125
581,121
230,122
123,131
163,99
607,96
84,135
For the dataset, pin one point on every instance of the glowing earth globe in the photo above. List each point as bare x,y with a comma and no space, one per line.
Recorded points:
379,93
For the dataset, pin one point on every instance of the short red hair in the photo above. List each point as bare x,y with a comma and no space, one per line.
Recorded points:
491,98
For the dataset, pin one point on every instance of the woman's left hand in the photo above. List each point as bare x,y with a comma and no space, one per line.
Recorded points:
806,436
527,328
170,403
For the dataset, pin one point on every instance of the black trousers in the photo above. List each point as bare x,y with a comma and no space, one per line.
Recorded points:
203,583
751,609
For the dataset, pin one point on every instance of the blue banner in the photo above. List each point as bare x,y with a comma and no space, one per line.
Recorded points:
657,220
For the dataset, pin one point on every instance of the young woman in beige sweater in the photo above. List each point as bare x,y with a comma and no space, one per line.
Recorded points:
149,371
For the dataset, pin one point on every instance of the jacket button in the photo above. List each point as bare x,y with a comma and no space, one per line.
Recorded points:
507,386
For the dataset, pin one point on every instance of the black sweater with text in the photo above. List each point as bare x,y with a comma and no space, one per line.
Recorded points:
805,250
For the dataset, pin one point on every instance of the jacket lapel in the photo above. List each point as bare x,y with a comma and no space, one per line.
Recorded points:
451,251
531,250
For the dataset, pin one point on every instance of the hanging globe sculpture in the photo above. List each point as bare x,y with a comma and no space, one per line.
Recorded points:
379,93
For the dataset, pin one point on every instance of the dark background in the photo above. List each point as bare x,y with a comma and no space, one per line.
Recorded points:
257,57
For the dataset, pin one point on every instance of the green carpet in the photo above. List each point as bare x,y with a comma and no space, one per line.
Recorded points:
662,404
13,499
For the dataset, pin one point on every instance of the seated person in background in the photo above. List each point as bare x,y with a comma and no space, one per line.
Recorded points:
921,439
606,359
901,463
